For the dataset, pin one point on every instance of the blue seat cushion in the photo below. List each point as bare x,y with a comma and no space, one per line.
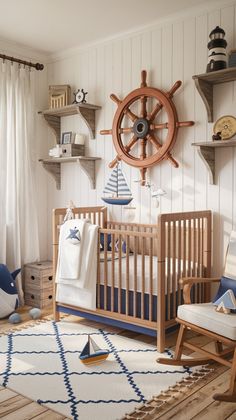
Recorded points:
225,284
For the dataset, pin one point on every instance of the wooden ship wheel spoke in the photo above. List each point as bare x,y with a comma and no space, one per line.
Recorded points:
140,110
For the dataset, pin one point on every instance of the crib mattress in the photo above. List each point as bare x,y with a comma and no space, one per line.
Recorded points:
121,280
150,274
70,295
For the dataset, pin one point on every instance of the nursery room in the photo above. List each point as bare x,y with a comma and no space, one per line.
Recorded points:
118,209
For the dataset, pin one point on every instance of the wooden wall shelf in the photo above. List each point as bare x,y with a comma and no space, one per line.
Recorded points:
84,110
205,82
53,166
206,151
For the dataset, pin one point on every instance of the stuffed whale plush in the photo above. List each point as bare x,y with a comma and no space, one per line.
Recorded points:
9,300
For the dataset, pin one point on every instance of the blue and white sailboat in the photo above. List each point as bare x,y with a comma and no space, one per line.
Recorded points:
92,354
117,188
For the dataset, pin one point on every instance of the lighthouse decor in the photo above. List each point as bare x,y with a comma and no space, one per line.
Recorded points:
217,50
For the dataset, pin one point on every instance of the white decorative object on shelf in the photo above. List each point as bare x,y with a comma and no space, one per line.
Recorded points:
79,138
56,151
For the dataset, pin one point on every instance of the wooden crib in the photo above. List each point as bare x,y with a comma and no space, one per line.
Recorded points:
139,268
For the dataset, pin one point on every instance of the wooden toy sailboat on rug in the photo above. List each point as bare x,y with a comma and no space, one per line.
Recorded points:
91,353
117,188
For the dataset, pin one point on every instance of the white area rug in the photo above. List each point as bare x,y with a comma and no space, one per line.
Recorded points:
42,363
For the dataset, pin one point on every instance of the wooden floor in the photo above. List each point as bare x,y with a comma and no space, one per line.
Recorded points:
193,403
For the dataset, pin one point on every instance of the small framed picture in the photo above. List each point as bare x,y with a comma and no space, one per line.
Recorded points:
66,137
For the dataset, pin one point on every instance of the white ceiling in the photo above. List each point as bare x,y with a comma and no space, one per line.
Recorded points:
50,26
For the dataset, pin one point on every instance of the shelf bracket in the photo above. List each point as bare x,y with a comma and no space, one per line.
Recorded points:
88,116
54,168
205,90
207,154
88,166
54,123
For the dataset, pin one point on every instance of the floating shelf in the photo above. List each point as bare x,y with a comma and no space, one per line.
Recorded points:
53,166
206,151
205,82
84,110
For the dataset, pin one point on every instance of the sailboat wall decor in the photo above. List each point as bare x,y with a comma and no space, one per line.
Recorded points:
117,188
92,354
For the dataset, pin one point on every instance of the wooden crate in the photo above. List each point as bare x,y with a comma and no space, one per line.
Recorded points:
39,298
38,284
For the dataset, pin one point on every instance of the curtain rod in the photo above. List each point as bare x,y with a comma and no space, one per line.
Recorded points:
37,66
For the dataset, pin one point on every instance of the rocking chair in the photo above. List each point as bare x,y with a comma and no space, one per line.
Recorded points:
204,319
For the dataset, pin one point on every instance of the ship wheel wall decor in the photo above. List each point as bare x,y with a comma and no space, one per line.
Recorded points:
144,148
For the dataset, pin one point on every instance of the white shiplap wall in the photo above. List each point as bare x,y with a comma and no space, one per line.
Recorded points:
170,51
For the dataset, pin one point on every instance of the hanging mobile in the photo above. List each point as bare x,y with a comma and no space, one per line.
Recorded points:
143,127
117,188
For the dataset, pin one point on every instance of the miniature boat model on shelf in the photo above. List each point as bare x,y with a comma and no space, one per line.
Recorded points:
92,354
118,189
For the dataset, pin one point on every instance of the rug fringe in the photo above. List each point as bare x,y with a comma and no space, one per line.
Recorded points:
30,323
172,394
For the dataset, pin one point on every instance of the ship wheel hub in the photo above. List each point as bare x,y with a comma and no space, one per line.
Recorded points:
141,128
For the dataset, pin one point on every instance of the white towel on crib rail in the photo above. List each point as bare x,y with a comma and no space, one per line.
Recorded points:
71,242
80,291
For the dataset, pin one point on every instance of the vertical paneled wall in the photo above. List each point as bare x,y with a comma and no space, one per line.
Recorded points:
175,50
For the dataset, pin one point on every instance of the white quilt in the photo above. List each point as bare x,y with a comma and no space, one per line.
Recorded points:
77,264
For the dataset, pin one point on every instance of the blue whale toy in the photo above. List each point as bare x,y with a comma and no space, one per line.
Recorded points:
9,300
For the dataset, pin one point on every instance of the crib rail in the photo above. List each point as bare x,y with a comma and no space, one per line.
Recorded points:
97,215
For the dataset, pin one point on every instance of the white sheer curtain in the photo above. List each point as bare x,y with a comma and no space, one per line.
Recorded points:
18,215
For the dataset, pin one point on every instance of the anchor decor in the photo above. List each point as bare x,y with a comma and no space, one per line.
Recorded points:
136,125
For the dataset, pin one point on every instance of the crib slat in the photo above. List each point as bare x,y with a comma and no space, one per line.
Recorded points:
194,273
189,247
202,260
105,270
150,257
98,276
168,251
199,261
135,275
112,271
98,221
202,289
120,272
174,268
179,260
127,274
143,277
198,247
184,249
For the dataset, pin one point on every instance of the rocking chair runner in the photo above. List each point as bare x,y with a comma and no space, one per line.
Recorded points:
202,318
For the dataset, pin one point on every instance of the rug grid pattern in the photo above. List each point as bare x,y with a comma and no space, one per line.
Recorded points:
42,363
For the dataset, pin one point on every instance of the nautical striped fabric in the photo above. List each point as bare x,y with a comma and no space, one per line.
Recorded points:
117,183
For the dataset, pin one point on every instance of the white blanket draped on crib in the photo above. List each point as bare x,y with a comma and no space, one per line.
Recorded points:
71,243
77,285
